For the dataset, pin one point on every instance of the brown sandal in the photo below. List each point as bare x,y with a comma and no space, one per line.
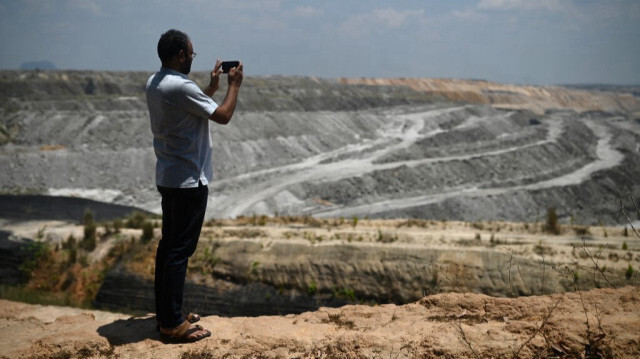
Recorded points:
191,318
184,333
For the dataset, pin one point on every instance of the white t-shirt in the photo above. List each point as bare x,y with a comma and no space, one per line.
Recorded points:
179,113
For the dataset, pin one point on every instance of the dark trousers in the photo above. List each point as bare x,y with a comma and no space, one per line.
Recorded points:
182,217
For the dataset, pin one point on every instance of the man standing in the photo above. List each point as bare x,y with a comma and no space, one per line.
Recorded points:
180,112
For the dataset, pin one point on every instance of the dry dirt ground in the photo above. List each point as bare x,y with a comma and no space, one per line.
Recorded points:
597,323
600,323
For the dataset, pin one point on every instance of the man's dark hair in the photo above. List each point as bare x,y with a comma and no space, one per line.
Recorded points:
170,44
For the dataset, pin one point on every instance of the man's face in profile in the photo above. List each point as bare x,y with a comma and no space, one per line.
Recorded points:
185,67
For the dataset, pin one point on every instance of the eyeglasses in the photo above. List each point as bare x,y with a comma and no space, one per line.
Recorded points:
193,54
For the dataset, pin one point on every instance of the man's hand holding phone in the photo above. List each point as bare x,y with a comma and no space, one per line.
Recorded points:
223,113
228,65
234,69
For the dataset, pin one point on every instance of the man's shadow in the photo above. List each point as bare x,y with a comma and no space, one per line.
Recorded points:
132,330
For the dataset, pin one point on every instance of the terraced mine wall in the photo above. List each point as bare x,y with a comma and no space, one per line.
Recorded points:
294,277
336,147
331,148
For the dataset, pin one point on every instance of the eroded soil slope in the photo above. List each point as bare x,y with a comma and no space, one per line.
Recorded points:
600,323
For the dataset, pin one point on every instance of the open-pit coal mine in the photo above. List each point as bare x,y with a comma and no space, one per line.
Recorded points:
433,149
328,149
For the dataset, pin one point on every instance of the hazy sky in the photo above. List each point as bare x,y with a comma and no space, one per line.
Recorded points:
513,41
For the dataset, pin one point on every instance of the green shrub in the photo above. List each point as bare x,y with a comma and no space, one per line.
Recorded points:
386,237
552,221
72,247
581,230
629,273
84,260
147,232
136,220
255,268
345,293
88,218
35,252
89,240
117,225
40,234
604,230
107,229
312,289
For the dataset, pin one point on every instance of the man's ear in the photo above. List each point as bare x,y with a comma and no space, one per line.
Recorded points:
182,55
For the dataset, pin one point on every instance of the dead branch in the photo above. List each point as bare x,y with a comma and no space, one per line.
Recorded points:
510,285
458,326
523,281
595,263
542,325
598,317
593,347
626,216
543,274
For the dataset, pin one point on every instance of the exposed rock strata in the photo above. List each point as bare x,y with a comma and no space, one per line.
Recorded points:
248,280
279,270
345,147
215,297
538,99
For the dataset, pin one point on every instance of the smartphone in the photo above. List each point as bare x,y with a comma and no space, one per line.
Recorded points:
228,65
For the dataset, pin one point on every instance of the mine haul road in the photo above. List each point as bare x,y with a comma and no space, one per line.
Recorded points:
401,132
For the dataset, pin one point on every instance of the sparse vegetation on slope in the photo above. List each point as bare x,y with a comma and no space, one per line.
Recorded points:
331,262
70,272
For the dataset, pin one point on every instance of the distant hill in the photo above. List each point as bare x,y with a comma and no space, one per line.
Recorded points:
632,89
38,65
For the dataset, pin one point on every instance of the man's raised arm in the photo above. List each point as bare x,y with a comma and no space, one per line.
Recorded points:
223,113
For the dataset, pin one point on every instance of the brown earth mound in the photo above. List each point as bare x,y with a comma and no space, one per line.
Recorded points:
537,99
597,323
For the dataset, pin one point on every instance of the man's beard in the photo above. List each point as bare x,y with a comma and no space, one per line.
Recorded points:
185,68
